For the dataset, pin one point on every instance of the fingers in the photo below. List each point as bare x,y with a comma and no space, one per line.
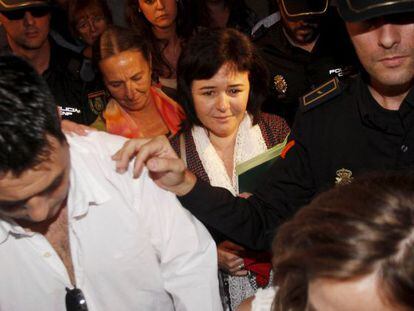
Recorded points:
71,128
240,273
165,167
231,263
160,165
123,156
232,247
245,195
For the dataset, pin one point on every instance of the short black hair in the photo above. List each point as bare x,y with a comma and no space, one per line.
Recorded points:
28,116
206,53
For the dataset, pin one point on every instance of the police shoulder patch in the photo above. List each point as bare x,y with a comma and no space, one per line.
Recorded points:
321,94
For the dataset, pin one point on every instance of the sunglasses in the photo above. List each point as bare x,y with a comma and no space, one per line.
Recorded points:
19,14
75,300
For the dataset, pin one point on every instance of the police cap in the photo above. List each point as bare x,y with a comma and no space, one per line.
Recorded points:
359,10
299,9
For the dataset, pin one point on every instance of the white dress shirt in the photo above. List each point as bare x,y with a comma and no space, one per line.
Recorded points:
132,244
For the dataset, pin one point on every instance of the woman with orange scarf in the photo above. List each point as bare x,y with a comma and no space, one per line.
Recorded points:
137,108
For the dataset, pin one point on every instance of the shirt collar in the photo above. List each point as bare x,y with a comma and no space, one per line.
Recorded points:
85,190
9,226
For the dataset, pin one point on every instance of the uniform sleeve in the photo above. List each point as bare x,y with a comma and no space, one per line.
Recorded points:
252,222
186,251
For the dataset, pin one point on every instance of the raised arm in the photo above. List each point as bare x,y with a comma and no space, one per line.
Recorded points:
251,222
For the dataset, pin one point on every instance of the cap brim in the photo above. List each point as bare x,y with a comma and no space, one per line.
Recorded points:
353,14
297,9
23,5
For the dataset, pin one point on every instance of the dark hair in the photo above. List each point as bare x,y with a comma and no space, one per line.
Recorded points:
350,231
203,57
239,18
77,6
184,29
28,114
116,39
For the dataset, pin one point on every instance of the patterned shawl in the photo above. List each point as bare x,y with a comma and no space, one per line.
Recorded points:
119,122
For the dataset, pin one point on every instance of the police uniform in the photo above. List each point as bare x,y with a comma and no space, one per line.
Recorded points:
340,132
77,101
294,71
73,97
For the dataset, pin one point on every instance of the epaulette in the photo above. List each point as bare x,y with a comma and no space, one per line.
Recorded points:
321,94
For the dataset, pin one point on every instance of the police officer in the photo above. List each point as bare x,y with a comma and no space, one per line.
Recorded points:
307,46
341,132
27,27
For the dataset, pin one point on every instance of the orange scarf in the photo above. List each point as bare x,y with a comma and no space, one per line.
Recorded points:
119,122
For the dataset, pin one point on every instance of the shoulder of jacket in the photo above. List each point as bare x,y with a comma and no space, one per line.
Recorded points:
322,94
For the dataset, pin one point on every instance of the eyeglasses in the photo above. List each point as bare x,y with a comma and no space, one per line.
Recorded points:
75,300
19,14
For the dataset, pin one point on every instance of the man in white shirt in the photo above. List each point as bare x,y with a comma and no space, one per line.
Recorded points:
74,232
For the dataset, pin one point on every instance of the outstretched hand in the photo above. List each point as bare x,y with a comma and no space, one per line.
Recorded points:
70,128
166,169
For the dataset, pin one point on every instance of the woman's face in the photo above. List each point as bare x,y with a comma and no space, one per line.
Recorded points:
127,75
221,101
160,13
90,24
348,295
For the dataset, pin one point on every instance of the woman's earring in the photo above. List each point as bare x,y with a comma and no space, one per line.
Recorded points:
139,10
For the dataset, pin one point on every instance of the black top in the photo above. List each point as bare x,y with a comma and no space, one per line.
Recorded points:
69,90
334,140
332,55
71,94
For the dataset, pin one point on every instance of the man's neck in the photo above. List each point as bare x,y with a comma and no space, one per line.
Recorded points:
389,98
48,225
38,58
308,47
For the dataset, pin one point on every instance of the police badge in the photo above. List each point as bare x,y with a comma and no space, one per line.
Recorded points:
280,84
97,101
343,177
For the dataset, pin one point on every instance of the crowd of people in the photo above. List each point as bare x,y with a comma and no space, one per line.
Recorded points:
121,142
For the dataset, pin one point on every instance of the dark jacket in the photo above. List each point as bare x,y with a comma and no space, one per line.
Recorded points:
70,92
299,71
336,137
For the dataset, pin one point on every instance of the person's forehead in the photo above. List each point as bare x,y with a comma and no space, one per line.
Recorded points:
228,73
92,10
130,61
347,295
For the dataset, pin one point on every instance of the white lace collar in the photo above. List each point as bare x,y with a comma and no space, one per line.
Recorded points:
249,143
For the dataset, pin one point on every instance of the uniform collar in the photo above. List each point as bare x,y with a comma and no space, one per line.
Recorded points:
376,116
410,97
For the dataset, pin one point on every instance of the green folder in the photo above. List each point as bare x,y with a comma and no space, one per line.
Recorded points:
251,172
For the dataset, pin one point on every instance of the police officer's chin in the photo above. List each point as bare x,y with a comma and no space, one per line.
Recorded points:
305,35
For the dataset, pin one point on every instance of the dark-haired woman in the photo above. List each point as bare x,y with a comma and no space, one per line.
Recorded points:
168,26
225,13
221,83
